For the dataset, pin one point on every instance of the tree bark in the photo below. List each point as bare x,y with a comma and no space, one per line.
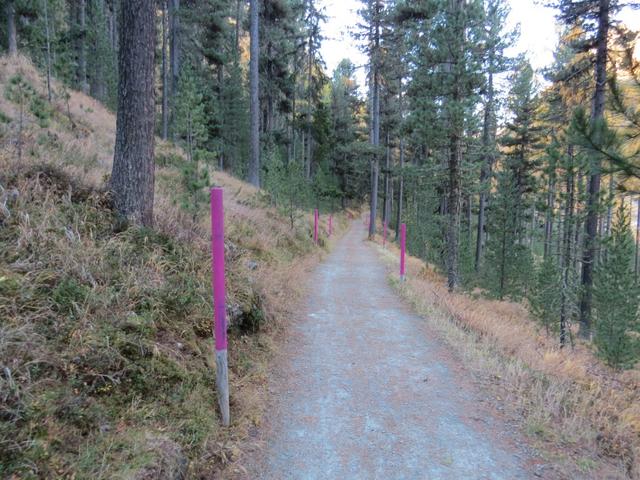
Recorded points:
113,25
309,107
375,115
98,19
12,37
593,190
174,57
254,80
488,136
236,43
132,177
453,206
48,46
373,211
223,151
82,52
566,254
610,201
387,181
455,158
294,95
548,225
400,200
165,73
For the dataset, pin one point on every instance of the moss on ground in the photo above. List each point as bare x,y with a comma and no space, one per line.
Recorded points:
106,336
107,366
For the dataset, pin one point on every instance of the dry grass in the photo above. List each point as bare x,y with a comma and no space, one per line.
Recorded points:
105,336
585,416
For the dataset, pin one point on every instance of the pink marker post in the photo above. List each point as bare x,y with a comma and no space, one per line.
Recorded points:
219,294
316,217
403,249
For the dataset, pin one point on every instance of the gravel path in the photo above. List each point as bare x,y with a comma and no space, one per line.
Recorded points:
366,391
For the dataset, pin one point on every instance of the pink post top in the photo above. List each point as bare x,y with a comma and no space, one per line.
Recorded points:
403,247
316,217
217,268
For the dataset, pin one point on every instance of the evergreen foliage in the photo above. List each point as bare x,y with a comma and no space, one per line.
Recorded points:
495,174
509,259
195,179
189,119
545,295
616,298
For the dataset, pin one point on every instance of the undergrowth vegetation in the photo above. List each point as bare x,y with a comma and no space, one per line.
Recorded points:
106,345
582,414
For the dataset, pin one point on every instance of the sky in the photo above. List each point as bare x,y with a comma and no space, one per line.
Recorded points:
538,32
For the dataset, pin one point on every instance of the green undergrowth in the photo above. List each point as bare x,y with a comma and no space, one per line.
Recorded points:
101,332
107,366
105,337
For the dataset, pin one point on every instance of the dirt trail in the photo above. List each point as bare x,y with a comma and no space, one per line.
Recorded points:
368,392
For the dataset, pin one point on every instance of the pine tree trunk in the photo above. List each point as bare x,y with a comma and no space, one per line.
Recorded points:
98,19
291,148
82,46
375,116
12,37
593,192
165,73
400,200
48,45
387,182
485,171
610,201
309,106
567,241
236,43
503,262
456,126
223,151
390,201
453,206
254,79
469,210
532,227
268,111
132,177
175,34
294,99
113,25
548,226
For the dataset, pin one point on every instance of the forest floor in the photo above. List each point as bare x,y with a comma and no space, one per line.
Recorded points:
365,389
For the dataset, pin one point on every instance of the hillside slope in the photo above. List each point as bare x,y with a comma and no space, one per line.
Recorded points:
105,334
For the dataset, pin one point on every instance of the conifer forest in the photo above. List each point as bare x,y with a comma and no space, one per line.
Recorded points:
518,184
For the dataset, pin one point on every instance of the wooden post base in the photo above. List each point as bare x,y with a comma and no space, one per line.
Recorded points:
222,384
